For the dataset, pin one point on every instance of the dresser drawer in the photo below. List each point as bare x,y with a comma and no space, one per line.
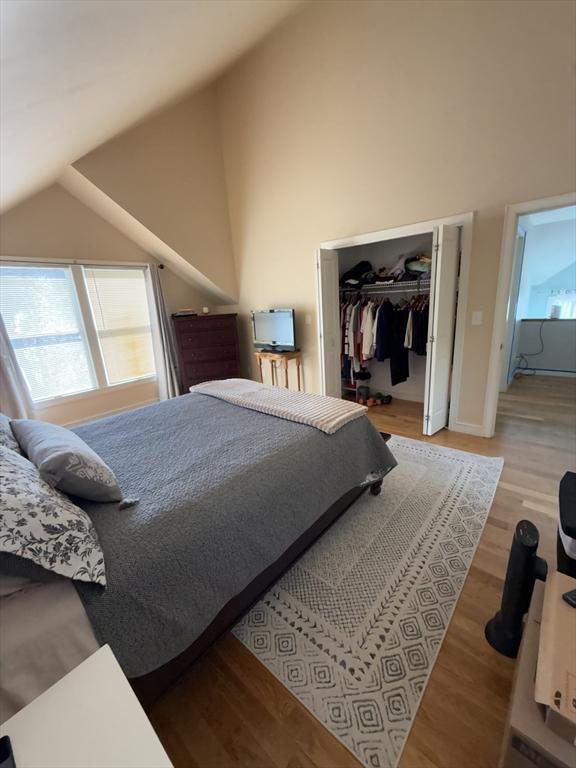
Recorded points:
207,339
211,370
208,354
200,323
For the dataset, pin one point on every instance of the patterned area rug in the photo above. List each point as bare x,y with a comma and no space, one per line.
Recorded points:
353,629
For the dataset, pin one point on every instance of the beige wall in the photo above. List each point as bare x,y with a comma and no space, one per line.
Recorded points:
168,173
54,225
358,116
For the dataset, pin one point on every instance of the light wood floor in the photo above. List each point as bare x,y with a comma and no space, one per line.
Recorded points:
228,710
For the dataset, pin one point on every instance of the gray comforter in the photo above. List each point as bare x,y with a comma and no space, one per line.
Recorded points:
223,492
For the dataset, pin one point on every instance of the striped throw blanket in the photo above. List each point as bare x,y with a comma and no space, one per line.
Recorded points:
327,414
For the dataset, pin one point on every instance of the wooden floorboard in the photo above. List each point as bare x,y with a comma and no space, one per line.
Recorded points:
228,710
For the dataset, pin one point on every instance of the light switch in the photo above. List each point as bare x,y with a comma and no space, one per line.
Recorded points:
308,319
477,318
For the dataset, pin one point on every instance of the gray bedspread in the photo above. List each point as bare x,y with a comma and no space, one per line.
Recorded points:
223,493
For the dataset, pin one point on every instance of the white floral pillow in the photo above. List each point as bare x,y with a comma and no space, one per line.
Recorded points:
39,523
7,438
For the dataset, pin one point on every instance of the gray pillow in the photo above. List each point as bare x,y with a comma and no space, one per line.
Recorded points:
7,438
65,461
40,524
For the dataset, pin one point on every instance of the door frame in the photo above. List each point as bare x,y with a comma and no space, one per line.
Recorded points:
511,215
510,333
464,220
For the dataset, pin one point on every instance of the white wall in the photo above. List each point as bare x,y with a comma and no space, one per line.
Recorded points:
168,174
550,258
556,338
357,116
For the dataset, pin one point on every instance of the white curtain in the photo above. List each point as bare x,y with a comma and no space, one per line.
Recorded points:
164,349
15,399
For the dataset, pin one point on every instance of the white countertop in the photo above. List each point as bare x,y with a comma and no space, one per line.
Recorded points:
90,718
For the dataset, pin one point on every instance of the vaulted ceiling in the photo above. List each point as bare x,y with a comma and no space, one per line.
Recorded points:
74,73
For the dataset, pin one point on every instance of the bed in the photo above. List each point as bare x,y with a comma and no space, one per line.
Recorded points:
228,498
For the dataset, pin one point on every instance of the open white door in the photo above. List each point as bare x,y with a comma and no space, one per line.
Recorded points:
445,262
329,322
510,343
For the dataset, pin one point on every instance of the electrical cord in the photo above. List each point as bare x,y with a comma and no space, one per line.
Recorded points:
523,368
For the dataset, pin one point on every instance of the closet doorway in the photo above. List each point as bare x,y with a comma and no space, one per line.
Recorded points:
390,320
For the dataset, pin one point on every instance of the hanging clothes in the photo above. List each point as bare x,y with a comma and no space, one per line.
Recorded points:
357,339
374,330
420,330
399,368
367,332
380,330
408,336
384,331
349,339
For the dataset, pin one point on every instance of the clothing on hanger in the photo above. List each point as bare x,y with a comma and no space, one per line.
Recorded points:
367,331
384,331
399,368
374,330
347,332
408,335
420,329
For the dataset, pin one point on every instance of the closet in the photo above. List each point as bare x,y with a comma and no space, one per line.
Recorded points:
387,320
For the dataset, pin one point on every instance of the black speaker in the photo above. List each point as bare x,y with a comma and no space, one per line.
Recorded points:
504,631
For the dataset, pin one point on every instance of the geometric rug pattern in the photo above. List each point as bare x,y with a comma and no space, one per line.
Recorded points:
354,627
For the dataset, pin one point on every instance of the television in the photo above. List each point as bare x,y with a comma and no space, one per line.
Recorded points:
273,330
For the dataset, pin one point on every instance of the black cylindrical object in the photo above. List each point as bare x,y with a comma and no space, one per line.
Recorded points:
504,631
567,524
566,564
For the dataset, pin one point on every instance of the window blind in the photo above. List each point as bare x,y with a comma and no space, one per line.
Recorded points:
44,324
120,309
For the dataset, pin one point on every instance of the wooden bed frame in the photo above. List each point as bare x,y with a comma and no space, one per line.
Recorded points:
150,687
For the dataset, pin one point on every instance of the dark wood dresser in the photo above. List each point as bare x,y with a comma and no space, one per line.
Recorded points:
207,348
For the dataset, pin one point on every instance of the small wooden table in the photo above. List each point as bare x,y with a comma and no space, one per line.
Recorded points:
280,359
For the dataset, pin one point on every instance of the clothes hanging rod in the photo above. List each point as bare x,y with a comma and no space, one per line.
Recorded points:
421,286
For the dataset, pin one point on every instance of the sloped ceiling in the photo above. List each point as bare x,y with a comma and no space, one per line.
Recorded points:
74,73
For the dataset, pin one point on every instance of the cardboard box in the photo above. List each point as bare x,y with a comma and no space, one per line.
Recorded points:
528,741
556,671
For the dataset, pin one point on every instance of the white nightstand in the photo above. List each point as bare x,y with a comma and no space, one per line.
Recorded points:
90,718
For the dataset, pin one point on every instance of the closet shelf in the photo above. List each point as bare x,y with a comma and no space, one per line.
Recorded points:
407,286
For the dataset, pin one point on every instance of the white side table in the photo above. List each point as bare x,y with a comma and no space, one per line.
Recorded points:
90,718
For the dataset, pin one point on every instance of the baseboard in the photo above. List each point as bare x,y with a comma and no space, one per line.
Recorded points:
412,398
546,372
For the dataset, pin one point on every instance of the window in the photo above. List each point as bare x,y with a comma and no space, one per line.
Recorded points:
76,329
43,321
120,311
565,303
